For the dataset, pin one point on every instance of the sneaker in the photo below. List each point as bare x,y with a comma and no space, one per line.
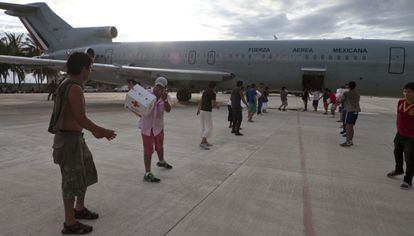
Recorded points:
394,173
233,131
405,186
343,132
238,134
344,135
164,164
204,146
209,145
149,177
279,109
346,144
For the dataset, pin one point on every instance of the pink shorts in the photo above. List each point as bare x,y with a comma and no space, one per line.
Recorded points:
152,141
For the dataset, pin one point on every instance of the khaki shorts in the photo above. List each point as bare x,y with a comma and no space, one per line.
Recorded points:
78,170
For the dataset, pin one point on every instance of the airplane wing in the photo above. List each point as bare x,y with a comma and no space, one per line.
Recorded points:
122,70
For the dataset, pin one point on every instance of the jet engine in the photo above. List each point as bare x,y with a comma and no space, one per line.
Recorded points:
105,32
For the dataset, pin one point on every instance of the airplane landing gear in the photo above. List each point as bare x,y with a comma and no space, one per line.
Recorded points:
183,95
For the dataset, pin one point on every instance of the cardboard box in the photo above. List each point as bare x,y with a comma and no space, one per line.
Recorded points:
139,100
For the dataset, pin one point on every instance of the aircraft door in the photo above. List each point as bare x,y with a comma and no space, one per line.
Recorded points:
313,81
397,60
108,56
211,57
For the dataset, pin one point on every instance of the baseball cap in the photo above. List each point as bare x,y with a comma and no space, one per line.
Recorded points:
161,81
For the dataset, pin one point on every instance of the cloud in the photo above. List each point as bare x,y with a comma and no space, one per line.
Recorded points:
324,19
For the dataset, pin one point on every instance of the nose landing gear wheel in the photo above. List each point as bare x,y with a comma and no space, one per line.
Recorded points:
183,95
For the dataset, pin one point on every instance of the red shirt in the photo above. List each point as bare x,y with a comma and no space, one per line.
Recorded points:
332,97
405,118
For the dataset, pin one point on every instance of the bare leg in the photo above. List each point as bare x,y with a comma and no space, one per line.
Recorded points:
160,154
349,132
80,202
204,140
147,163
69,213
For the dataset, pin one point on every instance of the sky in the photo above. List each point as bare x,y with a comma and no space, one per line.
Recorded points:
157,20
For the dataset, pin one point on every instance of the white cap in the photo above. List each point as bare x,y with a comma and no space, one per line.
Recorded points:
161,81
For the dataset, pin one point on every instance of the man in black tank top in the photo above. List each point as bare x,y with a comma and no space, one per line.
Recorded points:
237,96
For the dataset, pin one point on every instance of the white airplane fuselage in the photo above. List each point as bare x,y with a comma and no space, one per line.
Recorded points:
379,67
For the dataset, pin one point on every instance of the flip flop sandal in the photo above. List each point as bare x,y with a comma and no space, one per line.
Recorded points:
85,214
77,228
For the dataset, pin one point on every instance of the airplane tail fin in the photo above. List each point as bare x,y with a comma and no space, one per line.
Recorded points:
52,33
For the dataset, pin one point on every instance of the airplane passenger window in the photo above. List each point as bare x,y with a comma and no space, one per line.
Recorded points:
263,56
346,57
230,56
237,55
364,58
355,58
330,57
270,56
315,57
306,57
322,57
250,56
338,57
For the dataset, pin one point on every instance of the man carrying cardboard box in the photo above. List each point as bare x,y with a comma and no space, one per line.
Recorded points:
152,129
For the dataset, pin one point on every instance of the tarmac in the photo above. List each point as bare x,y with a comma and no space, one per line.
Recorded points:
286,176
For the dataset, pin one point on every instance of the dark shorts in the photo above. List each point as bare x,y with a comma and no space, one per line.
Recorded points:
230,116
78,170
351,118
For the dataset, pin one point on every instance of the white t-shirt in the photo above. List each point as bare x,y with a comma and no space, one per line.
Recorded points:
315,95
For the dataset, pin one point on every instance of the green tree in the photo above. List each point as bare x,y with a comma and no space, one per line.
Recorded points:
14,48
4,68
17,45
30,49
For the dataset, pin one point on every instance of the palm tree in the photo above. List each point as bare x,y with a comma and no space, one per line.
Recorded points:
4,68
31,49
14,47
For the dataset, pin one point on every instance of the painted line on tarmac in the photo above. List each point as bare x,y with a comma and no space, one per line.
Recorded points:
308,224
368,113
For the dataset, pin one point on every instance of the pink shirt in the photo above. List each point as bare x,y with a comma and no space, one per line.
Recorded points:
154,120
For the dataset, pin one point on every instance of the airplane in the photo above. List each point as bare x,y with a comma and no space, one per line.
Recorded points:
379,67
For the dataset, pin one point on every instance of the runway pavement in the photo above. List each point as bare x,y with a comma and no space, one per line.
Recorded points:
286,176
